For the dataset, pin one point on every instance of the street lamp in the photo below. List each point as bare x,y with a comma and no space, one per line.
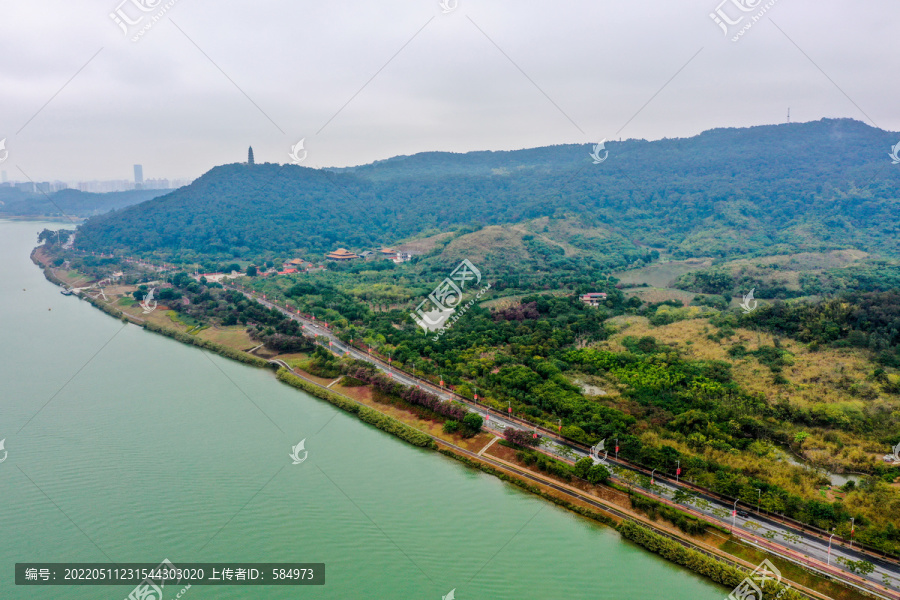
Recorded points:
652,481
758,499
678,471
851,530
828,562
617,448
733,515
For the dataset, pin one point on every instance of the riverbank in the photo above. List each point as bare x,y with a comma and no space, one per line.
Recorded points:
367,414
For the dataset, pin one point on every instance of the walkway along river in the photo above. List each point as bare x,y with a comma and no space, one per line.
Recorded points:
125,446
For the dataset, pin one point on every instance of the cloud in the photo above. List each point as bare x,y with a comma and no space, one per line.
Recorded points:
368,80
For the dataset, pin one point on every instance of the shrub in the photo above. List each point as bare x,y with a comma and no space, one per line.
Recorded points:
521,438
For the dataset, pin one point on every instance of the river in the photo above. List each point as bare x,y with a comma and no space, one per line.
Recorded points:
125,446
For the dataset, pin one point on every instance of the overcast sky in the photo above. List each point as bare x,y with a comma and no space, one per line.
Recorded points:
363,81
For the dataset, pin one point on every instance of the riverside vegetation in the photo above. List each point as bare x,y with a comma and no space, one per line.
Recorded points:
664,405
678,374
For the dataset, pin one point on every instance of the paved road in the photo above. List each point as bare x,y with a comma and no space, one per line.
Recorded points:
761,530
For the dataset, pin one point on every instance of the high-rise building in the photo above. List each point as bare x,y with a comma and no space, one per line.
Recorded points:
138,177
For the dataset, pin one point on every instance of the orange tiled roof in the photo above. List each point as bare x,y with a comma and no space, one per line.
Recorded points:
341,253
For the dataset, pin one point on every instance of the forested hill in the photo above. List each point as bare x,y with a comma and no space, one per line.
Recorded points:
778,188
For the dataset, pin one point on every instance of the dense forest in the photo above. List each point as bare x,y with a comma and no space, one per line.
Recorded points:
795,187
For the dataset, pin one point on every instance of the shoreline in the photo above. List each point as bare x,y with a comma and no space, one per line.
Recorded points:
503,472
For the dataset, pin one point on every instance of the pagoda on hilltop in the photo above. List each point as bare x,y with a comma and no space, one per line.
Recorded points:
250,160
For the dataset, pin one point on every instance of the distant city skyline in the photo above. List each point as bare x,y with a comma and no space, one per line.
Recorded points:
93,186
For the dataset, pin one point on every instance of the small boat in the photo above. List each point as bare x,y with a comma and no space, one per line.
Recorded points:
66,292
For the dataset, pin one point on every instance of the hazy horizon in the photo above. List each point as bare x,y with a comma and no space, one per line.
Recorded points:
366,82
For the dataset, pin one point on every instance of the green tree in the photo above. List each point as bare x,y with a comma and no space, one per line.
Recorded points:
471,424
598,474
583,467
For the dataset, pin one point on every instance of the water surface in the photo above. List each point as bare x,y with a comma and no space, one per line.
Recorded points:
127,446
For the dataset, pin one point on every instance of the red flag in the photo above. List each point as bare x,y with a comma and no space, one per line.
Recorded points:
617,449
509,409
678,471
734,513
534,435
476,397
442,382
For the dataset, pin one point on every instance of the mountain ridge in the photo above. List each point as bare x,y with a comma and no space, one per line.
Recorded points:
814,186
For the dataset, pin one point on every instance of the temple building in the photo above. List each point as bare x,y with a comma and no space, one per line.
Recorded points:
341,254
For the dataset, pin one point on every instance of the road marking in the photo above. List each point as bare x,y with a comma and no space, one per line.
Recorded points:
489,444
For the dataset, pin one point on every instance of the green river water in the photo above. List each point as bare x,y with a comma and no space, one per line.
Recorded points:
127,446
